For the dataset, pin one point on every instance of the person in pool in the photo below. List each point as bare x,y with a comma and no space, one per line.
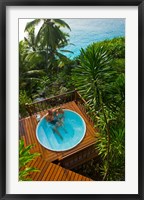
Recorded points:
59,113
51,117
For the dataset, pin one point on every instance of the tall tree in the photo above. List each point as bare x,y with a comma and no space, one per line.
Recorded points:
49,39
97,79
29,73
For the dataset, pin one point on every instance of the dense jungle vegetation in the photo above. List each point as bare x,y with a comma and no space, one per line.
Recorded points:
98,73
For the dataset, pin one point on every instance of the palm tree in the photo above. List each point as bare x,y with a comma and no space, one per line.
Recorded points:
40,54
49,39
29,73
31,39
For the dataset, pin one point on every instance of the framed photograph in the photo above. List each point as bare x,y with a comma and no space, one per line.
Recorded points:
71,101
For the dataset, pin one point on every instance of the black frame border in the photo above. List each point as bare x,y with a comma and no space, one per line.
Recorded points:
3,5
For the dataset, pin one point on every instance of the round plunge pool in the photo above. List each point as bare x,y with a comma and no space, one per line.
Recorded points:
72,132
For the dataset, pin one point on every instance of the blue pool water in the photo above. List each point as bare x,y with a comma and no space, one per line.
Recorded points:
73,132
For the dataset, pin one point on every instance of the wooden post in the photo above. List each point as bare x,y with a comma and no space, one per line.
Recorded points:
29,109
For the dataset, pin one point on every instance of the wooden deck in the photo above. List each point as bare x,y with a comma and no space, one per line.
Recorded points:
52,172
67,159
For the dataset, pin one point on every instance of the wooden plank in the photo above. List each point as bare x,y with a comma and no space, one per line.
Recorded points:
50,172
69,174
79,177
73,176
39,160
60,174
44,178
64,177
39,167
55,171
34,162
26,135
83,178
29,133
43,171
33,120
76,177
21,128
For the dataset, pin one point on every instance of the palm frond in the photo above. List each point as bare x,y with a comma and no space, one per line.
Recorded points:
61,23
31,24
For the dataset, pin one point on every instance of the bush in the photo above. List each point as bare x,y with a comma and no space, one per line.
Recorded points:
24,158
23,99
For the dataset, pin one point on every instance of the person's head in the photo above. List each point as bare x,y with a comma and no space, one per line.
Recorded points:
60,110
50,112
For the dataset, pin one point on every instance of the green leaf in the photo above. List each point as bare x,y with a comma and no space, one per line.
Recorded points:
31,24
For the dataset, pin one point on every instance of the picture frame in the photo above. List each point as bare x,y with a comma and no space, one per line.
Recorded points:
3,94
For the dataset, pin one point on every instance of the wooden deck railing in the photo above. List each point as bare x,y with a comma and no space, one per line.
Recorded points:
47,103
56,101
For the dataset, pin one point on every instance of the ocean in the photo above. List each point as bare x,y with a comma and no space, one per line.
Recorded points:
86,31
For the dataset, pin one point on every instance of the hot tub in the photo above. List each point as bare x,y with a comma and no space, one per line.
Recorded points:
72,132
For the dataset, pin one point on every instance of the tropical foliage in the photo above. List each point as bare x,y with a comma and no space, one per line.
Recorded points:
102,84
26,157
42,62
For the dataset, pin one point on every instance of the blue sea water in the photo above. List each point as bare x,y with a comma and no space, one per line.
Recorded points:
86,31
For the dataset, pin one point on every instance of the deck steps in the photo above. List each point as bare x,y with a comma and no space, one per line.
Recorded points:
53,172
